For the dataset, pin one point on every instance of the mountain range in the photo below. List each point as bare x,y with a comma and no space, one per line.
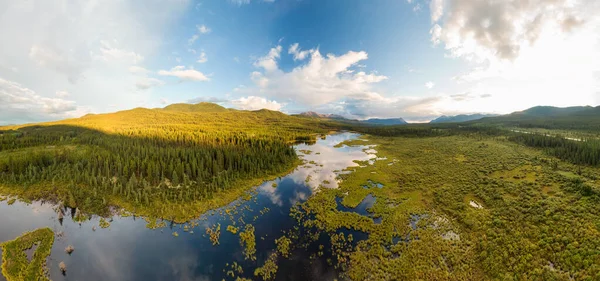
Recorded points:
460,118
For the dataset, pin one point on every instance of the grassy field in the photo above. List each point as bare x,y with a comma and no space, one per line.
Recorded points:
466,208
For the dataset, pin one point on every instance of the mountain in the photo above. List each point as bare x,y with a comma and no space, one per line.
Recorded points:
385,122
319,115
460,118
551,111
575,117
199,107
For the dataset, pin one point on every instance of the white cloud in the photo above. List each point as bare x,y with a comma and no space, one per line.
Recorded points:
499,29
145,83
256,103
62,94
437,9
429,85
203,29
321,80
184,74
202,58
243,2
193,39
19,104
269,62
86,47
138,69
298,54
56,60
110,53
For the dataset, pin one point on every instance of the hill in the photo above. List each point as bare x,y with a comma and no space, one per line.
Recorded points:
319,115
460,118
586,118
199,107
385,122
159,162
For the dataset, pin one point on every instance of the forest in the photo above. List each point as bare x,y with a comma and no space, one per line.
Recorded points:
164,157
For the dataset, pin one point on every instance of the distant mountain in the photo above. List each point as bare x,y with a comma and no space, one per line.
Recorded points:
575,117
460,118
319,115
385,122
199,107
551,111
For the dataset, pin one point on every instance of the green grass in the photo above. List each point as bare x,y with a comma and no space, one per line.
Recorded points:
16,267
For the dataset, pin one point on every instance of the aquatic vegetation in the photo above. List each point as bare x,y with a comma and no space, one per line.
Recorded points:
104,223
214,233
269,270
153,223
11,201
175,234
283,246
16,267
248,241
232,229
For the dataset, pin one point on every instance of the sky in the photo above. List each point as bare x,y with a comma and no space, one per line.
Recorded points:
415,59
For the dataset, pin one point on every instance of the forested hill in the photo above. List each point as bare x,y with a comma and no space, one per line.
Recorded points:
460,118
156,161
549,117
199,107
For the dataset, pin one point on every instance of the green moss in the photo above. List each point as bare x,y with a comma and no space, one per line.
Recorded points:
16,267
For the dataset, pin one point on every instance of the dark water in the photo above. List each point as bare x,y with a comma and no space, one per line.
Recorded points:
127,250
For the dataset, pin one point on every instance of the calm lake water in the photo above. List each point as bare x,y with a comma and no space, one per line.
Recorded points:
127,250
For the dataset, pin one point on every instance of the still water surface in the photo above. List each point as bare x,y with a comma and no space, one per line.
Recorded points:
127,250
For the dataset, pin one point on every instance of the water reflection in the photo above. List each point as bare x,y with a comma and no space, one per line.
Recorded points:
127,250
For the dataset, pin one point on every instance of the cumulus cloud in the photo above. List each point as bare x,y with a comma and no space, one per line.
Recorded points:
182,73
62,94
498,29
321,80
256,103
298,54
20,104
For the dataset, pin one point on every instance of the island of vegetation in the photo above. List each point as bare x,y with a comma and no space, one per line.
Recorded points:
16,266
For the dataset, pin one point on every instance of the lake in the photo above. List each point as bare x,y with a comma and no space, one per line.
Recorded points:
128,250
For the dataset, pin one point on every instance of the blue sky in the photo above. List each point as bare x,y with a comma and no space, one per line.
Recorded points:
416,59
